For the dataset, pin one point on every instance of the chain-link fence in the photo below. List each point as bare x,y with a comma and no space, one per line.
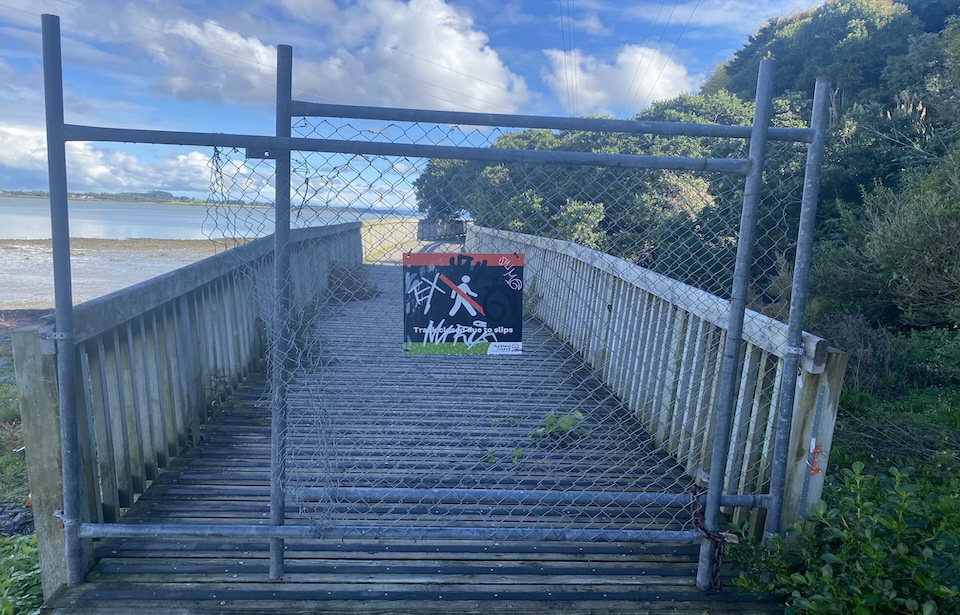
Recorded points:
639,378
545,442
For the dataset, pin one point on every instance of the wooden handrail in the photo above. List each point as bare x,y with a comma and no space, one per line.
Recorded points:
657,343
151,360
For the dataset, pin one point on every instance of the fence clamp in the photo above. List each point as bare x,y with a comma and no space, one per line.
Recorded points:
259,153
49,338
699,523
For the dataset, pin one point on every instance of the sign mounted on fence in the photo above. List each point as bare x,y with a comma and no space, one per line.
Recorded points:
463,303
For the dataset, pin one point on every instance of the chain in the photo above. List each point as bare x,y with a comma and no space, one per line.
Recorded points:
699,522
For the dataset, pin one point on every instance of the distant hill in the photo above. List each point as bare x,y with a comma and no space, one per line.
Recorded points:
152,196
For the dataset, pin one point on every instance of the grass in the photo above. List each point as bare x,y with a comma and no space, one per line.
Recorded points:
14,487
9,406
20,591
457,348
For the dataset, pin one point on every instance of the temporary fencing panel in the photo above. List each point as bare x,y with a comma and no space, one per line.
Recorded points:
621,354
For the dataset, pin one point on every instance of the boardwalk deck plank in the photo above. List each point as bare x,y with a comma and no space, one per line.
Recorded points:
378,406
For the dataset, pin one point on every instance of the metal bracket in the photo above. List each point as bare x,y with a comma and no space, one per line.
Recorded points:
49,338
797,350
258,153
56,335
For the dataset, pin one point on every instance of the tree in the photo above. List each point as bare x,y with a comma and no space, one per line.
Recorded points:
579,222
443,189
847,40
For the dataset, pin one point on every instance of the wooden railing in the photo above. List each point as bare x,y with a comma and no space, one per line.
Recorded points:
658,344
152,359
440,229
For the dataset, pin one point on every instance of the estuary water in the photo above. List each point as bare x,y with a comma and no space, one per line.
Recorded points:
116,244
26,218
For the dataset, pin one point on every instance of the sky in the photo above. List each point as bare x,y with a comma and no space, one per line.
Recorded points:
209,66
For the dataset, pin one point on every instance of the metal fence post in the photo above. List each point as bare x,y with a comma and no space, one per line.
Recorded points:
738,303
798,302
280,364
63,294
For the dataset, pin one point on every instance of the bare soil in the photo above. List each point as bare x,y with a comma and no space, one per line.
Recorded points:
14,319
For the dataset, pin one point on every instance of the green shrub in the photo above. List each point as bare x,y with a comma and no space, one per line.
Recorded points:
914,237
9,404
885,544
920,428
20,590
14,483
870,349
928,358
563,428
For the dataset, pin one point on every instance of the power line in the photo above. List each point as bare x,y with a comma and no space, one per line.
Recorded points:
566,59
624,107
669,57
445,67
571,8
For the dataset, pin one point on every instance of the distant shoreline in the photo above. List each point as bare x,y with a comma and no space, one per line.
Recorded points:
111,198
75,199
129,243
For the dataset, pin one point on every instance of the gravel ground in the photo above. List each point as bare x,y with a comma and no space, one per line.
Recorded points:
15,520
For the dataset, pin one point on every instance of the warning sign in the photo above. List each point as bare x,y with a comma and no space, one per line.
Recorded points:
463,303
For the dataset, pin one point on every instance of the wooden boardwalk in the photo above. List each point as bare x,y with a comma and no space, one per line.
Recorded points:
391,421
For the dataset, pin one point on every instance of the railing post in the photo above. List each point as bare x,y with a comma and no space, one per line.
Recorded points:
63,294
280,364
811,437
39,411
798,302
738,303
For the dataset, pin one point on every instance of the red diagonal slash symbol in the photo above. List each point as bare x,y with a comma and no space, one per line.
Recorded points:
464,295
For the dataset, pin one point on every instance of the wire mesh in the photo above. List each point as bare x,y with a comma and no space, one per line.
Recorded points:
377,439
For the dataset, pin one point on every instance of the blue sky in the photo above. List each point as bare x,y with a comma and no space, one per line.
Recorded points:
209,65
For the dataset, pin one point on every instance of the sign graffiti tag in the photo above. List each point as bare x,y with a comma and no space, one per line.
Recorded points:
463,303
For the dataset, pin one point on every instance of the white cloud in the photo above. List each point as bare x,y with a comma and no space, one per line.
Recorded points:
591,24
207,61
586,85
92,168
23,157
96,169
303,10
424,53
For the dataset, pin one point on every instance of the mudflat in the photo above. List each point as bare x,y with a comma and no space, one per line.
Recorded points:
98,266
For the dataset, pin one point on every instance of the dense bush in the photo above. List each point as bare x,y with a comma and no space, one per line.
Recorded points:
20,590
876,544
915,239
870,349
928,358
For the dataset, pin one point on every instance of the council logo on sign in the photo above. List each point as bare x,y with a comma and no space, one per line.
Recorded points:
463,303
